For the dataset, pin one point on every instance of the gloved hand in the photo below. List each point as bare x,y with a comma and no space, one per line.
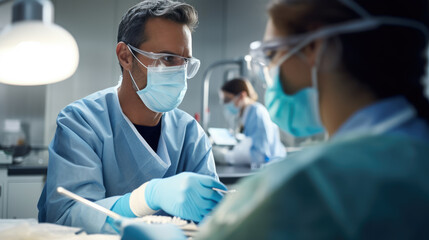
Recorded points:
186,195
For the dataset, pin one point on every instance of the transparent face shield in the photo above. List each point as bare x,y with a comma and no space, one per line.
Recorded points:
262,53
169,60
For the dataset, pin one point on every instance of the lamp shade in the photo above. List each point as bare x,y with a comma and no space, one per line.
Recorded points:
35,52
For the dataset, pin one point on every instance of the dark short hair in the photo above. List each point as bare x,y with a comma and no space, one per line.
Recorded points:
132,27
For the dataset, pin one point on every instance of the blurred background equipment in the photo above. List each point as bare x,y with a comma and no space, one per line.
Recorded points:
243,69
13,140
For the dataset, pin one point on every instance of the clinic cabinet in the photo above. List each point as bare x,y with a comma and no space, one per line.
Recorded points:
23,193
20,194
3,180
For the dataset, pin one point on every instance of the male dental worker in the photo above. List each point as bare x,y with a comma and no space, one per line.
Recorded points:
128,148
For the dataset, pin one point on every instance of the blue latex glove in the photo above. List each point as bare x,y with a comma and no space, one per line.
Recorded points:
186,195
144,231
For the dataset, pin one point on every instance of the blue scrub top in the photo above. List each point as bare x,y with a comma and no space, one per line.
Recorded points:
361,184
98,154
263,132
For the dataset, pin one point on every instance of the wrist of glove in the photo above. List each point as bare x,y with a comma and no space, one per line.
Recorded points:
138,204
186,195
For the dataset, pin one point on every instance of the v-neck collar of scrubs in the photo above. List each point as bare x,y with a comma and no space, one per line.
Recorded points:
161,156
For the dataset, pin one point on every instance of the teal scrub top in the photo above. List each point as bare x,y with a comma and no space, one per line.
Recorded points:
362,184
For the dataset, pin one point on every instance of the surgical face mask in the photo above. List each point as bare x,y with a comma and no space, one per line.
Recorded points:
166,87
296,114
231,108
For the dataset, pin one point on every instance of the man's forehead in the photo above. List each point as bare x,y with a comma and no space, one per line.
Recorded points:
163,35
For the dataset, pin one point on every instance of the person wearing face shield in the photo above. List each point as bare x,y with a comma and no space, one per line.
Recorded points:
262,140
128,148
355,69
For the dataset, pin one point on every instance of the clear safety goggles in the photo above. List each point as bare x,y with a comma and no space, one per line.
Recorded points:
262,53
170,60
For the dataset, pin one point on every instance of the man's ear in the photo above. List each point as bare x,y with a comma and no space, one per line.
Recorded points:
124,55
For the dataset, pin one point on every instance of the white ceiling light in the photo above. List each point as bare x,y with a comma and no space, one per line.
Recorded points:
34,50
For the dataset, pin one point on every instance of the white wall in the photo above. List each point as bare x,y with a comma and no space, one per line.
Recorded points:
25,103
226,27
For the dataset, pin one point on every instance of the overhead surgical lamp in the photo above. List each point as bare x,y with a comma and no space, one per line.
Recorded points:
34,50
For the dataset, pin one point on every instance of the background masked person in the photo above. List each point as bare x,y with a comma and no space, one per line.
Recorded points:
128,148
364,62
262,143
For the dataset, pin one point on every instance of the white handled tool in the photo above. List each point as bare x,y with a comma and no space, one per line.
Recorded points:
78,198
